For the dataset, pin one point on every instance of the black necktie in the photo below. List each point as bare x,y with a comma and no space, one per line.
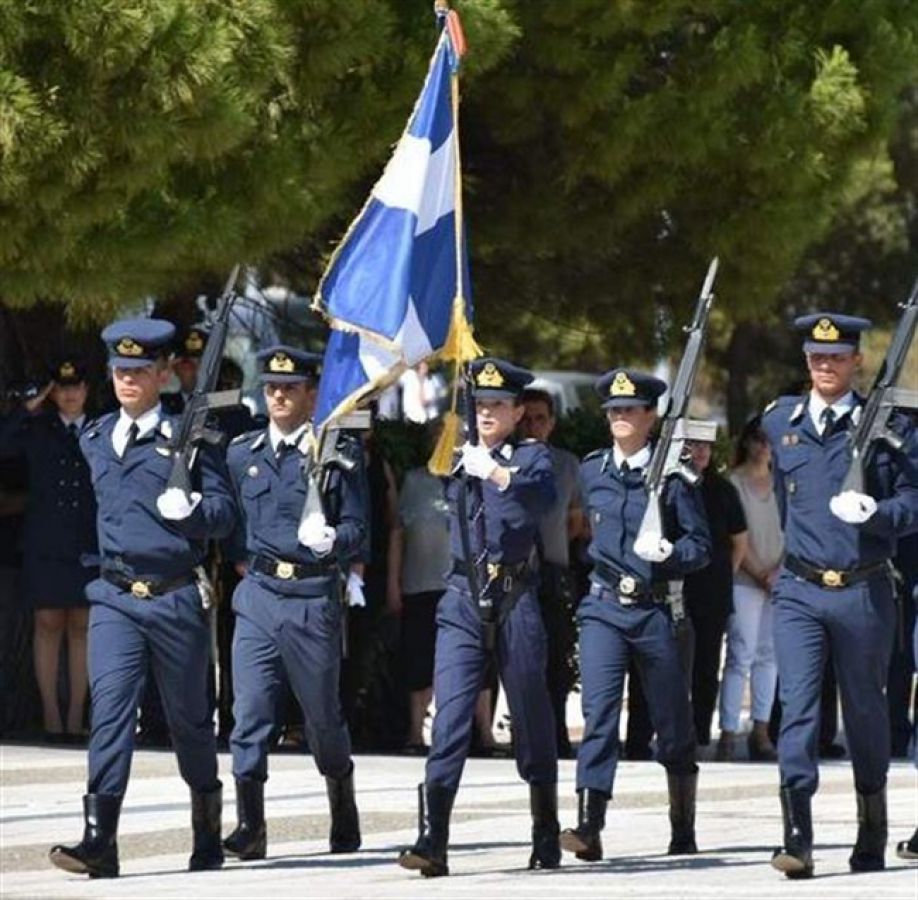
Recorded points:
283,448
828,421
133,431
73,432
624,468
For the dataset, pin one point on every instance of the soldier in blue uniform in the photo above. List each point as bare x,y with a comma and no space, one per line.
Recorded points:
288,611
59,536
834,596
147,603
517,487
189,348
624,616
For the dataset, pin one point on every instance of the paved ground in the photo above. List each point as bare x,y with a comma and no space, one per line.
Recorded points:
738,823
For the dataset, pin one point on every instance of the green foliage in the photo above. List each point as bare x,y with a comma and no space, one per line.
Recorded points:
146,143
623,144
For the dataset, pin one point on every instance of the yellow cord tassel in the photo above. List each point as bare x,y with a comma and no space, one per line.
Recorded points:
460,347
441,460
460,343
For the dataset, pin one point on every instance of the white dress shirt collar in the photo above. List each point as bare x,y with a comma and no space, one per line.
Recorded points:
637,460
817,405
146,422
275,435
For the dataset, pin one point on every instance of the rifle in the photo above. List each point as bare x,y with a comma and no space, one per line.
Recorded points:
325,455
669,453
192,429
884,396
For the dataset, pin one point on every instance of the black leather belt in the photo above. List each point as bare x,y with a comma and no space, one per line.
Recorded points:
626,589
146,589
833,579
290,571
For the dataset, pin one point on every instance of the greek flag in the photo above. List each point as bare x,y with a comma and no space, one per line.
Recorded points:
389,289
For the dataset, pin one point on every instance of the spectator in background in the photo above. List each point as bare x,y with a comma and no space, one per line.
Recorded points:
561,524
60,530
422,393
419,558
750,645
709,591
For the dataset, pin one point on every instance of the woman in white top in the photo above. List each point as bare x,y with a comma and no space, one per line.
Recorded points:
750,650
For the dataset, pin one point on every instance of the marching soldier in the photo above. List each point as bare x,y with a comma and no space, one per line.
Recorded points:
834,596
624,615
288,611
60,533
517,487
147,602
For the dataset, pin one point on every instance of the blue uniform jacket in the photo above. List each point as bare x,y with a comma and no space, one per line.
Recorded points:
615,505
271,502
129,524
511,516
809,472
61,512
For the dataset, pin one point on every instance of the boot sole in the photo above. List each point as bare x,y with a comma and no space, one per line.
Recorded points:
791,866
573,844
903,851
77,866
426,867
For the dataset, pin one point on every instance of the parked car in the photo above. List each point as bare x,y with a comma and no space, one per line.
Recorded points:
569,390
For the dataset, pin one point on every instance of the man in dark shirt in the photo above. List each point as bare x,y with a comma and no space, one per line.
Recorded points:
709,591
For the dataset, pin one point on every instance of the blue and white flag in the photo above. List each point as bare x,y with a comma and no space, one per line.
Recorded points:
389,289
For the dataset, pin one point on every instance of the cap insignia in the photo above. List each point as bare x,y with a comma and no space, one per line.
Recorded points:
825,330
489,377
128,347
282,363
622,386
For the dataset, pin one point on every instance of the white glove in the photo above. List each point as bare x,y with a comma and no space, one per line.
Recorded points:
653,548
316,534
354,590
852,507
173,504
477,460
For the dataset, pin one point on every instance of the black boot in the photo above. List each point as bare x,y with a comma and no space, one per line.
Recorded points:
546,849
428,855
795,858
97,854
250,839
206,816
908,849
682,789
584,841
869,854
345,823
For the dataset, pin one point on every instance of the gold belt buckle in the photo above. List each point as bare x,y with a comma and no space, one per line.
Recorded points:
832,578
141,590
284,570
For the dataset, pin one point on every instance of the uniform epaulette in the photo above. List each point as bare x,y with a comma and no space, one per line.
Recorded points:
780,403
594,454
94,428
242,438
